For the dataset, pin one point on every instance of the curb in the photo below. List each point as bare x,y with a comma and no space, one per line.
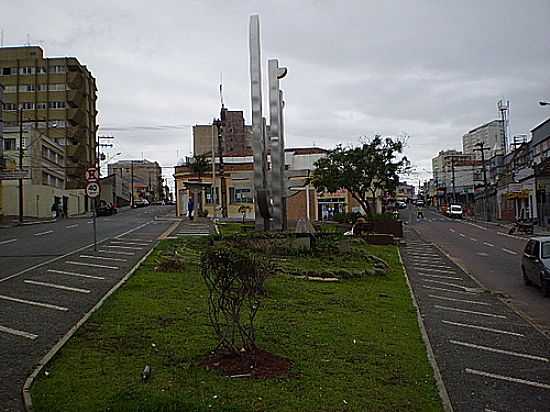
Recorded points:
27,399
517,311
443,394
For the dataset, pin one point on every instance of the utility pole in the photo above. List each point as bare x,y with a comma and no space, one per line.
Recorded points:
453,177
20,163
219,123
132,184
482,149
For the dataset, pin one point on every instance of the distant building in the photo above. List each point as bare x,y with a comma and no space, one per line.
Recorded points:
463,167
115,190
58,98
404,192
146,176
1,143
492,136
236,136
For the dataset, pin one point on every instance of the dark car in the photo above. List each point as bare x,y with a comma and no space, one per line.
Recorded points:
535,263
105,209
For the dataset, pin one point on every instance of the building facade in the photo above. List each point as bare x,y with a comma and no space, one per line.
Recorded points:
490,134
143,176
57,97
115,190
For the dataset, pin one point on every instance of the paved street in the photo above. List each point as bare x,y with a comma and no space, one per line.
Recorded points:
50,277
490,358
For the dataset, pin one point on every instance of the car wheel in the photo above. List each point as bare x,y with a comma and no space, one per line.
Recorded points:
525,277
545,286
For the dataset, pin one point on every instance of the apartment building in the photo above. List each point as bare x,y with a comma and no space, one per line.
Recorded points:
490,134
57,98
236,135
1,143
146,176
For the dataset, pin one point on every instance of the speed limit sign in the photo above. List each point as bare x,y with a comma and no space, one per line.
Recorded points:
92,189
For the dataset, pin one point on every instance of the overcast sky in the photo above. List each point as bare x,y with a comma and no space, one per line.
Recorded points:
430,69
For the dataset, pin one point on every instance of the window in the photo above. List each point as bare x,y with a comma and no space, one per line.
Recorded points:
41,105
9,144
27,105
240,195
26,88
56,105
10,89
6,71
10,107
59,87
42,87
57,69
26,70
41,70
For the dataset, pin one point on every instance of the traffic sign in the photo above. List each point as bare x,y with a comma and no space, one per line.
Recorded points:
92,189
91,174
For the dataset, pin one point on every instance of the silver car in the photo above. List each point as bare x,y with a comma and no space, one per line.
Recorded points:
535,263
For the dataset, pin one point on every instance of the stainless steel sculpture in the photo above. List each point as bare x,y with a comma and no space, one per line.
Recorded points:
278,189
261,196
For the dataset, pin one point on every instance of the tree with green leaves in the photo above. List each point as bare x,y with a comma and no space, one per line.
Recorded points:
370,169
200,164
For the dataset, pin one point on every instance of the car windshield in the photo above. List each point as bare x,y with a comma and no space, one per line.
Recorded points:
455,208
546,250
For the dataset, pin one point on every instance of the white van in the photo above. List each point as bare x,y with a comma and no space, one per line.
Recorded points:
455,211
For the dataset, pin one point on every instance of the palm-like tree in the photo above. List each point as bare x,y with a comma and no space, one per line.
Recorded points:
200,164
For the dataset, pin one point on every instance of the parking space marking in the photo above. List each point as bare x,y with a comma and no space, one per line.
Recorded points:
43,233
16,332
56,286
493,315
461,235
33,303
428,269
5,242
430,265
475,302
501,351
473,239
452,230
122,242
482,254
71,226
103,258
445,283
507,378
78,275
439,276
417,254
92,265
488,244
124,247
467,325
449,290
114,252
511,252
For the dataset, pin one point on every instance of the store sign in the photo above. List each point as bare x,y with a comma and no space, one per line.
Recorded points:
515,187
15,174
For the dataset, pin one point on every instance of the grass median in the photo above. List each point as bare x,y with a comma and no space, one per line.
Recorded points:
354,345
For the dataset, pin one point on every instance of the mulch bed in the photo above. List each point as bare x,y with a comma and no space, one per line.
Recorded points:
260,364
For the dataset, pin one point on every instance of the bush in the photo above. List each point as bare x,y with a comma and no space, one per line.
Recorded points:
346,217
235,281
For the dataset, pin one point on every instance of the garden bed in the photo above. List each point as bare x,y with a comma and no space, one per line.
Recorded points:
352,345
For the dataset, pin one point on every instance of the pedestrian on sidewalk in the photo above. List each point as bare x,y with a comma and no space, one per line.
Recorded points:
190,207
55,210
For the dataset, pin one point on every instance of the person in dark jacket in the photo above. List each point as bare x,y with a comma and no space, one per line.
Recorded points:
190,207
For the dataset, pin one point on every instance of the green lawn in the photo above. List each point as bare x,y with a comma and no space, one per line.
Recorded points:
355,346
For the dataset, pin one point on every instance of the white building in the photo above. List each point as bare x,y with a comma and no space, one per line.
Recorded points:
492,136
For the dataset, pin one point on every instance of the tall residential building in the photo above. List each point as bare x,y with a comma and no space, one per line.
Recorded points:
464,165
236,136
147,177
492,136
57,96
1,143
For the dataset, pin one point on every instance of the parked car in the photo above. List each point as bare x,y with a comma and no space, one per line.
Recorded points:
141,203
401,204
535,263
455,211
105,209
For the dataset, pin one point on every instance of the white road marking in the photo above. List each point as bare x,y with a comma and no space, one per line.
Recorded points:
123,242
439,276
507,378
475,302
135,240
418,255
482,254
501,351
511,252
16,332
449,290
56,286
488,244
452,230
43,233
431,265
92,265
461,235
33,303
466,325
445,283
512,236
427,269
90,222
71,226
473,239
473,224
114,252
79,275
8,241
103,258
493,315
124,247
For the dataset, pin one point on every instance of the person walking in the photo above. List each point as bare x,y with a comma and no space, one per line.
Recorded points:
190,207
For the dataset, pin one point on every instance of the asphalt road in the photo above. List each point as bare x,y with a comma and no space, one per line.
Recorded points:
488,253
50,276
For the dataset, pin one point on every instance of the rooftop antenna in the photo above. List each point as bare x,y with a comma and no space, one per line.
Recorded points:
221,89
2,38
504,109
